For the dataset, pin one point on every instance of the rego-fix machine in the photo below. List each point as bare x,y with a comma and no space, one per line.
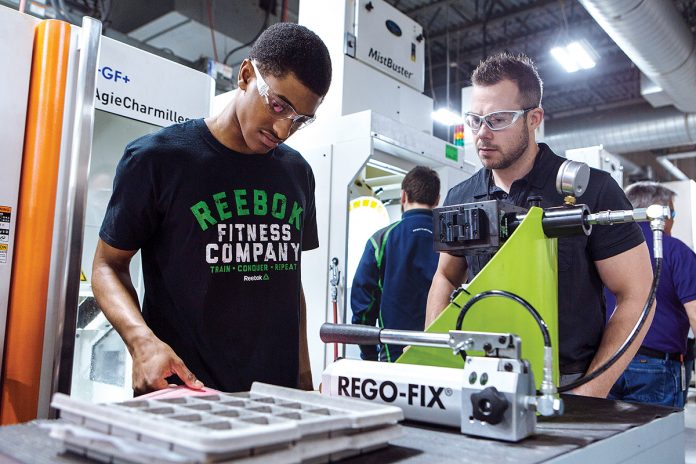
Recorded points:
496,394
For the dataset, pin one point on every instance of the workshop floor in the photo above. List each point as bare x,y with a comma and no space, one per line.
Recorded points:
690,431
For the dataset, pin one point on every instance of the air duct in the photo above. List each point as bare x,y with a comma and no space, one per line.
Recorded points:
671,168
666,162
626,130
656,38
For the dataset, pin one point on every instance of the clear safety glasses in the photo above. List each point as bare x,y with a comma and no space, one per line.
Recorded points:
497,120
276,106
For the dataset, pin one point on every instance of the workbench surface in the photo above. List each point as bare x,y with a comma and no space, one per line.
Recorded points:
591,431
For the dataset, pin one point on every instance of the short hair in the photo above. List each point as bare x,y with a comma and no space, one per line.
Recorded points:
517,68
287,48
646,193
422,185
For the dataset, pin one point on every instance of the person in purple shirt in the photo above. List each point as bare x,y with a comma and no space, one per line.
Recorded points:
657,373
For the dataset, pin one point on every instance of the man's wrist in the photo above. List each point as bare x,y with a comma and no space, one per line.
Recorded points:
138,339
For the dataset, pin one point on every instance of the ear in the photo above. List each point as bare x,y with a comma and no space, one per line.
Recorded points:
246,71
404,197
535,118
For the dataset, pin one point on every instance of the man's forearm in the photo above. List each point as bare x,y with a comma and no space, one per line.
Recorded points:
118,301
615,333
438,298
690,308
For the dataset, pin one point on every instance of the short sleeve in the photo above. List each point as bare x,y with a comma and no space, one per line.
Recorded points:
454,196
608,241
448,199
131,216
310,238
683,262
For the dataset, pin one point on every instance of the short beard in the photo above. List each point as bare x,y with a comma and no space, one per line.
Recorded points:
509,158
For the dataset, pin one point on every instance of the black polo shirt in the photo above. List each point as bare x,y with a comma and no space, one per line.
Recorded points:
581,307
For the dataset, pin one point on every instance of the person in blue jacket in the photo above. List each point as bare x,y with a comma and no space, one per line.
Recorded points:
658,373
391,284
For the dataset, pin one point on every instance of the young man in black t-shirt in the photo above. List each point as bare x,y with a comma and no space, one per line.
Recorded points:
505,112
221,210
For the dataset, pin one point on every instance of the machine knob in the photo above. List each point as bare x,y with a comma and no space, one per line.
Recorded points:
534,200
489,405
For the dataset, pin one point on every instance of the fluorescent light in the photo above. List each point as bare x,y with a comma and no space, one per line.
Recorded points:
565,59
574,56
447,117
582,57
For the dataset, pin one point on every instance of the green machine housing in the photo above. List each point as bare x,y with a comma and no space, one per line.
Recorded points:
525,263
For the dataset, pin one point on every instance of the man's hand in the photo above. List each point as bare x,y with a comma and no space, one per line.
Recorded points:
153,362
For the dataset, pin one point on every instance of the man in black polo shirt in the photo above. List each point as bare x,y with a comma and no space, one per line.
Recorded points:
505,111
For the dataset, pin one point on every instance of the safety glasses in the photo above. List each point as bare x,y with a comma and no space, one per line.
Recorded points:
276,106
497,120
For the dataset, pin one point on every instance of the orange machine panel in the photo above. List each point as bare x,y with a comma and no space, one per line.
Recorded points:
37,197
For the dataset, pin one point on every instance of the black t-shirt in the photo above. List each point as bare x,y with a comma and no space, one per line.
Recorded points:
581,307
221,235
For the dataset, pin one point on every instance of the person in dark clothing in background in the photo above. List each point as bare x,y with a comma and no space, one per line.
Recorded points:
391,284
658,372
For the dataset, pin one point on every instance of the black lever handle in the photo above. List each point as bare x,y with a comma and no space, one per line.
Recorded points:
350,334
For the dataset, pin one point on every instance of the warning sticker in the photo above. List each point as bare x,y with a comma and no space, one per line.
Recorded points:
5,216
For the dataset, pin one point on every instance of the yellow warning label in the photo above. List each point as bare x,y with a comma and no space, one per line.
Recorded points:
3,247
5,218
83,277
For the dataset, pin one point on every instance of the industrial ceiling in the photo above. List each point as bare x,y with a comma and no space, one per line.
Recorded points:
459,34
462,32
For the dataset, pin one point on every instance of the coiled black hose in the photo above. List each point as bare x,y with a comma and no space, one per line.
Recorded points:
516,298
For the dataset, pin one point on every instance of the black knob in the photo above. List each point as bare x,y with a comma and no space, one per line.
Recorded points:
534,200
489,405
369,6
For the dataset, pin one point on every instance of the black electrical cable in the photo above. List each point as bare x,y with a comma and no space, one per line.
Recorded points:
634,333
516,298
236,49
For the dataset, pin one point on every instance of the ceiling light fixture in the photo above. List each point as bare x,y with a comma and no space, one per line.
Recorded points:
447,117
575,56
